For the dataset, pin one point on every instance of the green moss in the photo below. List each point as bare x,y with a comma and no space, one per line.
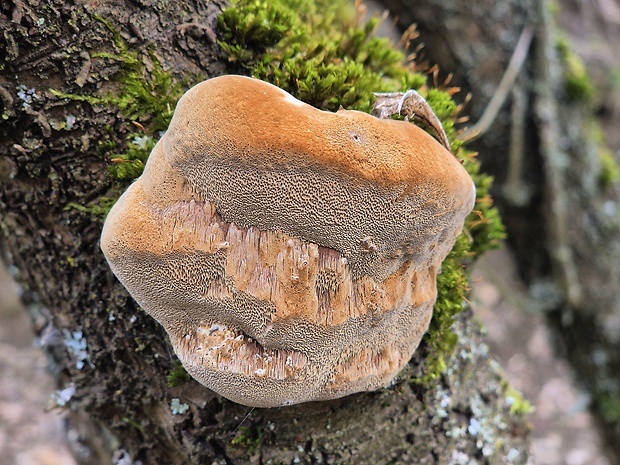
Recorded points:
178,376
610,171
518,405
609,174
133,423
128,165
145,97
609,407
99,207
483,226
251,438
317,52
577,82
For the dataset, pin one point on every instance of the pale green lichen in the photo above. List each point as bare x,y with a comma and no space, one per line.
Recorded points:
178,375
62,397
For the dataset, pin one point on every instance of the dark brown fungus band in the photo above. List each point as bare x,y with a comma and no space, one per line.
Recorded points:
291,254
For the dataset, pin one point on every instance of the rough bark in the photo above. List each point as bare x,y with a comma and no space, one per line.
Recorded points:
561,219
110,359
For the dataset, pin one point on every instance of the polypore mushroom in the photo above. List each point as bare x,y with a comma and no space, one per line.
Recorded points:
291,254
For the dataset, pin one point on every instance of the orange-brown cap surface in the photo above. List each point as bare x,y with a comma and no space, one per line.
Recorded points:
290,253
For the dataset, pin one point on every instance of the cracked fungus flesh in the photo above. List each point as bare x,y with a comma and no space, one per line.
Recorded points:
291,254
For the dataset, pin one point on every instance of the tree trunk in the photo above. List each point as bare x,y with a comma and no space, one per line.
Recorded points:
556,184
112,360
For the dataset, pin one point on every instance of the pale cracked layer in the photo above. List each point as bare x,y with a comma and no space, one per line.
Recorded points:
291,254
223,348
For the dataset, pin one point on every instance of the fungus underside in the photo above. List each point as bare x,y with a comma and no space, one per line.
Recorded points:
324,54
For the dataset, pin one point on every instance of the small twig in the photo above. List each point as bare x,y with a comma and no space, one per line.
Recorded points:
516,190
412,105
508,80
245,418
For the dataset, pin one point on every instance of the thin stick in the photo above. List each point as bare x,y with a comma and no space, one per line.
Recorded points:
508,80
245,418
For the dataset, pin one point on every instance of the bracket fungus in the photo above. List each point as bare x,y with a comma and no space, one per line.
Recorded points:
290,253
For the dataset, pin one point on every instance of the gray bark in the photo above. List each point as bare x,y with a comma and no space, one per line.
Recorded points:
109,358
562,220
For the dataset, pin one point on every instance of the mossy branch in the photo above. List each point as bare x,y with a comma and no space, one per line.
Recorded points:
325,55
328,60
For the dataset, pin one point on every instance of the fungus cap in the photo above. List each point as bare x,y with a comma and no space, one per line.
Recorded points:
291,254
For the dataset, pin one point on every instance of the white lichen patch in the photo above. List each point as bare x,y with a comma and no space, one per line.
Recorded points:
27,96
177,407
62,397
76,344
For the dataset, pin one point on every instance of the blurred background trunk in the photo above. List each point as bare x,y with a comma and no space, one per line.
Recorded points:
553,149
